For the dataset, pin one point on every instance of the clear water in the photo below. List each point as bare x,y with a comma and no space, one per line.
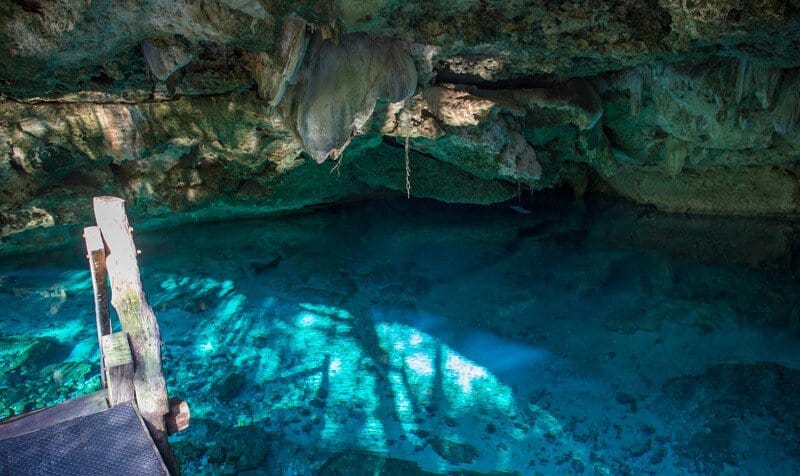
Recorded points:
408,337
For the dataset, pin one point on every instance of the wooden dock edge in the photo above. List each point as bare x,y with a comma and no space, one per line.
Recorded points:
131,359
77,407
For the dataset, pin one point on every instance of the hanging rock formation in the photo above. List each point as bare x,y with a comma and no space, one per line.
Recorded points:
200,109
335,95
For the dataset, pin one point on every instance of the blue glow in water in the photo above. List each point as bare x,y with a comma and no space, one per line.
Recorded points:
417,337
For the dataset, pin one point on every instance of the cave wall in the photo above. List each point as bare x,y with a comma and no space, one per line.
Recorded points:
202,109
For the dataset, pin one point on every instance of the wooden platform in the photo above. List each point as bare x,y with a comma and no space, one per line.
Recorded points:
122,429
79,437
44,417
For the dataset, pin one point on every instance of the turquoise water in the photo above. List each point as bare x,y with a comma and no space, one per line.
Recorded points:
406,337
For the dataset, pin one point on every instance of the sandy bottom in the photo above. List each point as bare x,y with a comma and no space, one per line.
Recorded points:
412,337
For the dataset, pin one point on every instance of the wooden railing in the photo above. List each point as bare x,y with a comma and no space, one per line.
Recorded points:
131,358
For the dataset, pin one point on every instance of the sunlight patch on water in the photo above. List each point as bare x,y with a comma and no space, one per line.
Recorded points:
76,281
330,311
403,402
232,306
336,366
207,347
471,352
307,320
420,363
268,363
464,372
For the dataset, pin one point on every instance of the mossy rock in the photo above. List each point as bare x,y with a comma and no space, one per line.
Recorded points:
36,353
358,463
230,386
453,452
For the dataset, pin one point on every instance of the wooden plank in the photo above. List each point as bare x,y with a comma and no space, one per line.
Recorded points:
32,421
179,415
96,253
119,365
137,318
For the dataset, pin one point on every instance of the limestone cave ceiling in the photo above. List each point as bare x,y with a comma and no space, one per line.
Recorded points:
218,107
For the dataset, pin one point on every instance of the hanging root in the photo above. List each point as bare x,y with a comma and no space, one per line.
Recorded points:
337,167
408,172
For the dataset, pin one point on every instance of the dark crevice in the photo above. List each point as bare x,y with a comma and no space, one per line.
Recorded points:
102,79
30,6
17,166
393,142
445,76
120,176
150,99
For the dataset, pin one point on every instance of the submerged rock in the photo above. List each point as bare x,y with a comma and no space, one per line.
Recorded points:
365,463
762,399
452,451
230,386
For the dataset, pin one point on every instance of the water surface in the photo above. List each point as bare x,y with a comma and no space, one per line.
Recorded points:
410,336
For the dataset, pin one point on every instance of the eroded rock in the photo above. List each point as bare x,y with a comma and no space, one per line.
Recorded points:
164,58
273,74
337,91
688,107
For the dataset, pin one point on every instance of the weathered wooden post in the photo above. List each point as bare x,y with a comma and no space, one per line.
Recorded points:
96,253
118,361
138,321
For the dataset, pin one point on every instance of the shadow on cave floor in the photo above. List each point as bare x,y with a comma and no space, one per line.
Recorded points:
407,337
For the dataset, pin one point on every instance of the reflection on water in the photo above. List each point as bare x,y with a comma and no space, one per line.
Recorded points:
412,337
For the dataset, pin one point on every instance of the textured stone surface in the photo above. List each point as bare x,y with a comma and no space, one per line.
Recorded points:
213,108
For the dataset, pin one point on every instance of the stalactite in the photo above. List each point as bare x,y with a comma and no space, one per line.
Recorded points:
787,108
675,154
758,79
675,79
340,84
634,81
765,82
744,79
